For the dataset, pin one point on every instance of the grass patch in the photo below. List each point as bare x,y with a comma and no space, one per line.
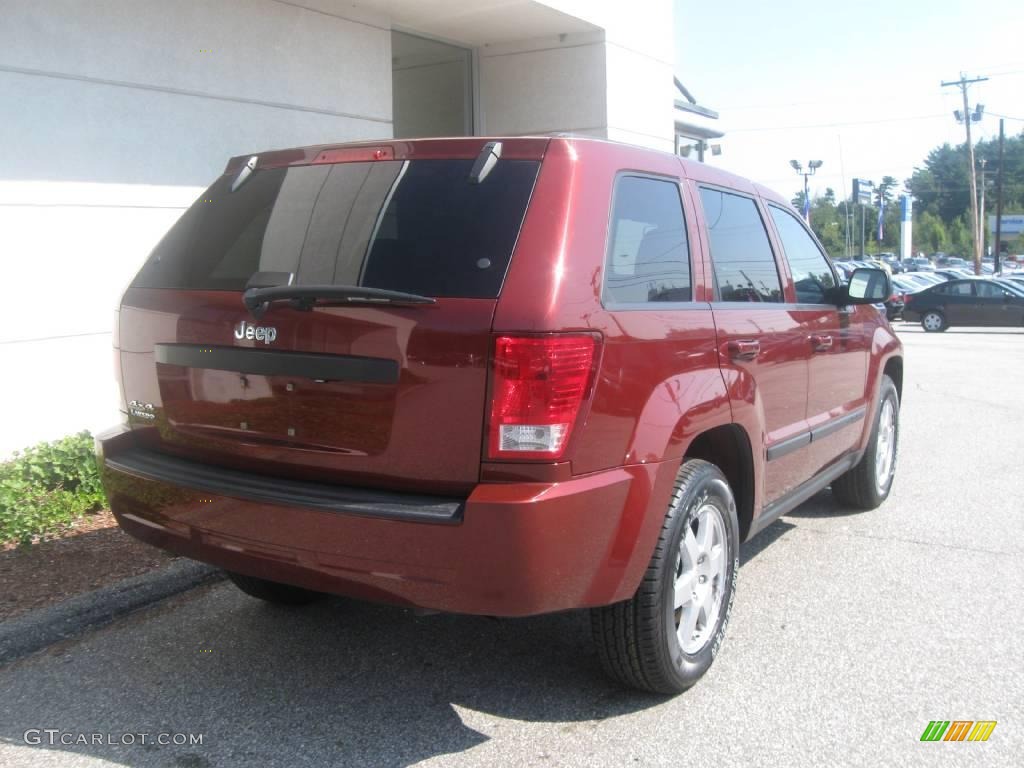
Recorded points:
46,488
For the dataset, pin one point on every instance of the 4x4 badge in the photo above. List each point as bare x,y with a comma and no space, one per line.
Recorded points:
266,334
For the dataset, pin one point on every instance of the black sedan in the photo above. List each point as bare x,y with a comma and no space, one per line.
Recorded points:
974,301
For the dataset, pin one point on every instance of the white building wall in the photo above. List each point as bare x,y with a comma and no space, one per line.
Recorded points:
548,85
117,113
639,50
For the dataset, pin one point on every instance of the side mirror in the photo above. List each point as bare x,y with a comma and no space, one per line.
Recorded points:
867,286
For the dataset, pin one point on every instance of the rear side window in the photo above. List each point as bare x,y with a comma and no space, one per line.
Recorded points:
648,258
419,226
812,276
960,288
742,255
990,290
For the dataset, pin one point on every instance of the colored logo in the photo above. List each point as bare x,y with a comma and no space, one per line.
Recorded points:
958,730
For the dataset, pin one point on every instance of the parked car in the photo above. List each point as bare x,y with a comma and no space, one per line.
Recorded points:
1017,278
905,285
844,270
950,261
878,264
925,278
895,265
918,264
1011,285
490,376
973,301
894,306
961,271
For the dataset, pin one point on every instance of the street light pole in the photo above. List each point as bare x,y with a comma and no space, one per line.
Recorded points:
812,166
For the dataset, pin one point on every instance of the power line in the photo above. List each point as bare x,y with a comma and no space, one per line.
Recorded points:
837,125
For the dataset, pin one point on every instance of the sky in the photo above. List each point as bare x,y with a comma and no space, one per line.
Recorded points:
855,85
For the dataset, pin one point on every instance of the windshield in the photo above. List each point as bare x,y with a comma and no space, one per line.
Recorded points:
416,226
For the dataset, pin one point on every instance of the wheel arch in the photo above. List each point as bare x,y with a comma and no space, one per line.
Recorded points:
894,370
728,447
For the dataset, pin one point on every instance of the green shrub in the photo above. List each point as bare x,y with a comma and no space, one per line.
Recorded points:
47,487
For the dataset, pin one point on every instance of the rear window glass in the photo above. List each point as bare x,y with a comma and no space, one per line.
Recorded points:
418,226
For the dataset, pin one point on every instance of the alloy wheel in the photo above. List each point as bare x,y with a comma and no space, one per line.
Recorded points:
699,585
885,448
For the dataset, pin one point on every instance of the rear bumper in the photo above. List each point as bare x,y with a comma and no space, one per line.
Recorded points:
510,549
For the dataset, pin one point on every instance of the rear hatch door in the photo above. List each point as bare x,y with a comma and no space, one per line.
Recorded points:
366,392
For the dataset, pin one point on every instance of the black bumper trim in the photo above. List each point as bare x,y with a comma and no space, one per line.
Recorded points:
151,465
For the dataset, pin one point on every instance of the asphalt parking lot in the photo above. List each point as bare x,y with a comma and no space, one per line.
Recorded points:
849,633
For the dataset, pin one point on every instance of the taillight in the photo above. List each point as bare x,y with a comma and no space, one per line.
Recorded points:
538,385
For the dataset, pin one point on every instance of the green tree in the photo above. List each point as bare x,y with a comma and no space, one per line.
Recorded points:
960,241
942,186
930,233
886,190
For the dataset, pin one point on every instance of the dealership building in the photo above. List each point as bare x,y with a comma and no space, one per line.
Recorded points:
118,113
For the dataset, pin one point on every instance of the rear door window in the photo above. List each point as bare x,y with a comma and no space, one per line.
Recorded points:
744,264
648,257
419,226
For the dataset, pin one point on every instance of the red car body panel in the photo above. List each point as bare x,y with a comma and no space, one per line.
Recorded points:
532,537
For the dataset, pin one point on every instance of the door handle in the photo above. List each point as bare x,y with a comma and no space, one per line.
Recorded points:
821,342
746,349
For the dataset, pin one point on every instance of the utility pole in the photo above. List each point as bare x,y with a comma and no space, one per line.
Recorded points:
981,212
999,201
962,83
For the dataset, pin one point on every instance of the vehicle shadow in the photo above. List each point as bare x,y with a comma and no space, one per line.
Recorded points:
823,504
763,540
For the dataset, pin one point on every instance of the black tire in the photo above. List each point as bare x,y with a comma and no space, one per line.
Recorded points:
860,488
272,591
942,325
637,639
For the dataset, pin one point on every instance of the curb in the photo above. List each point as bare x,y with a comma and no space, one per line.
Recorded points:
38,629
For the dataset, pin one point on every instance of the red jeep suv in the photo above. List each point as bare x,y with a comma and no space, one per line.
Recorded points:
497,376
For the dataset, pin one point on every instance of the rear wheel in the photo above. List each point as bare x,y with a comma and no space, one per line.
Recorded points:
933,321
868,484
665,637
272,591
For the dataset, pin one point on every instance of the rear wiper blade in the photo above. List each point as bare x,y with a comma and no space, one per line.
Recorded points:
258,300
